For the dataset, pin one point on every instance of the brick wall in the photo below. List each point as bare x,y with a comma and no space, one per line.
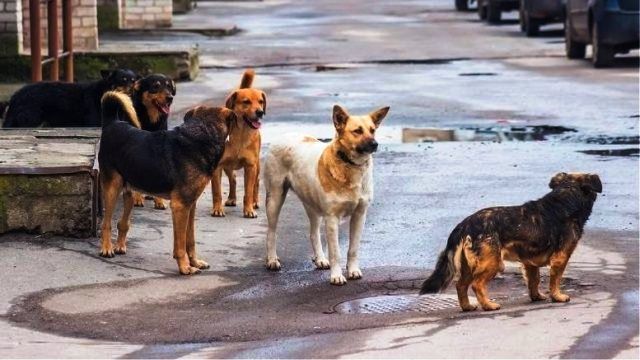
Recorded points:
84,19
10,27
145,14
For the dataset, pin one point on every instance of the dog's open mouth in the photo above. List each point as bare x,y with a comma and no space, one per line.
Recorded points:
254,123
164,108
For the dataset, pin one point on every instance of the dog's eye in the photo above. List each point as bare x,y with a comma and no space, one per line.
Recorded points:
246,102
373,131
358,131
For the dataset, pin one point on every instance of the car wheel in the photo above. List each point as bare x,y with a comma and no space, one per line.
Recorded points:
482,11
573,49
521,16
493,12
531,25
602,54
462,5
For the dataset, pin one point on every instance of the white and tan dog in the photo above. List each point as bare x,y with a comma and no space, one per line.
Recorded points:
332,180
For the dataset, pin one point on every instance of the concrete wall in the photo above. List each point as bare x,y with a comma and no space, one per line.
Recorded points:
10,27
145,14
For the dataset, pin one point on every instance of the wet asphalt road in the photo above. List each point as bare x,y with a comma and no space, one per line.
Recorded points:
435,68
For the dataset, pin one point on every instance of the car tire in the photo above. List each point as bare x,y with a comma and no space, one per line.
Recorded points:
494,14
602,54
531,25
573,49
482,11
462,5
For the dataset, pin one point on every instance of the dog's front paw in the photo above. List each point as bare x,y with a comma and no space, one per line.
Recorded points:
490,306
138,199
321,263
273,264
120,249
159,204
338,280
354,273
230,202
107,251
189,270
200,264
217,212
560,297
249,213
469,307
537,297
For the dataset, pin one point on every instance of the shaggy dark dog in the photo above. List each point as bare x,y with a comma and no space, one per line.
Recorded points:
538,233
60,104
174,164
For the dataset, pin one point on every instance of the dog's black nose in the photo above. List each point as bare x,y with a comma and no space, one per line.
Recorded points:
373,145
169,99
259,113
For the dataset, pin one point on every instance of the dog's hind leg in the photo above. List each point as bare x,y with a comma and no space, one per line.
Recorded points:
276,193
111,186
191,241
256,197
231,175
250,178
125,222
487,265
355,233
216,190
319,259
462,286
558,263
531,276
180,213
331,225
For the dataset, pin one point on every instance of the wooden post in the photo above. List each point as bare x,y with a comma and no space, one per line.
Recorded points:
54,45
36,40
67,35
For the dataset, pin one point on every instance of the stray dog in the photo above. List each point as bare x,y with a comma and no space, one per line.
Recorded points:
242,150
332,180
152,97
174,164
539,233
60,104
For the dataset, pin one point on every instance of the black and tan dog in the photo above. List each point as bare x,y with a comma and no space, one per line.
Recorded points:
174,164
152,97
539,233
60,104
242,150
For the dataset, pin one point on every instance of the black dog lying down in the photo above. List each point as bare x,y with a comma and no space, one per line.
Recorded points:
60,104
174,164
539,233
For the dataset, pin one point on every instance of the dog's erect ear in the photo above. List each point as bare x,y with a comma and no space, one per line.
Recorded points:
592,183
378,115
264,103
557,179
105,74
231,100
173,87
340,117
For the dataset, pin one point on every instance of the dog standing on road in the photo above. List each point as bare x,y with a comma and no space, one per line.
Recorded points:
174,164
242,150
539,233
332,181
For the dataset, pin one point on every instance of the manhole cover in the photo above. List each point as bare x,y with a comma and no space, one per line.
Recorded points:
388,304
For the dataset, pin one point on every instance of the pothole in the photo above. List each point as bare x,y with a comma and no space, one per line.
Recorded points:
392,304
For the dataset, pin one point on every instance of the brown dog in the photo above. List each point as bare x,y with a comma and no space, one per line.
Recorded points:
539,233
242,149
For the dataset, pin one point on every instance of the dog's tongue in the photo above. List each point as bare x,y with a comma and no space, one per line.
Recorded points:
165,109
254,123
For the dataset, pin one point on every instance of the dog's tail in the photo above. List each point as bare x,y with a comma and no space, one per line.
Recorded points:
118,106
448,264
4,106
247,79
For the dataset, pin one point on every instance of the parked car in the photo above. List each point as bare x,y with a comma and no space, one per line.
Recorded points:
491,10
610,26
535,13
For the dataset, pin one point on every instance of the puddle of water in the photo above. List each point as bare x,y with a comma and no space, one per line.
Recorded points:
634,152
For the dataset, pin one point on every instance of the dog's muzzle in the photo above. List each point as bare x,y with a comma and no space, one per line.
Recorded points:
368,147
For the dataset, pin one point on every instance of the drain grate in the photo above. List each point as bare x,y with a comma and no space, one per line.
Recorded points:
389,304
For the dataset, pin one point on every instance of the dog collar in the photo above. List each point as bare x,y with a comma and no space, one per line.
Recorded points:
343,156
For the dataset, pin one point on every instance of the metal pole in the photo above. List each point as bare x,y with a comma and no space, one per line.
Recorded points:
67,35
54,46
36,41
